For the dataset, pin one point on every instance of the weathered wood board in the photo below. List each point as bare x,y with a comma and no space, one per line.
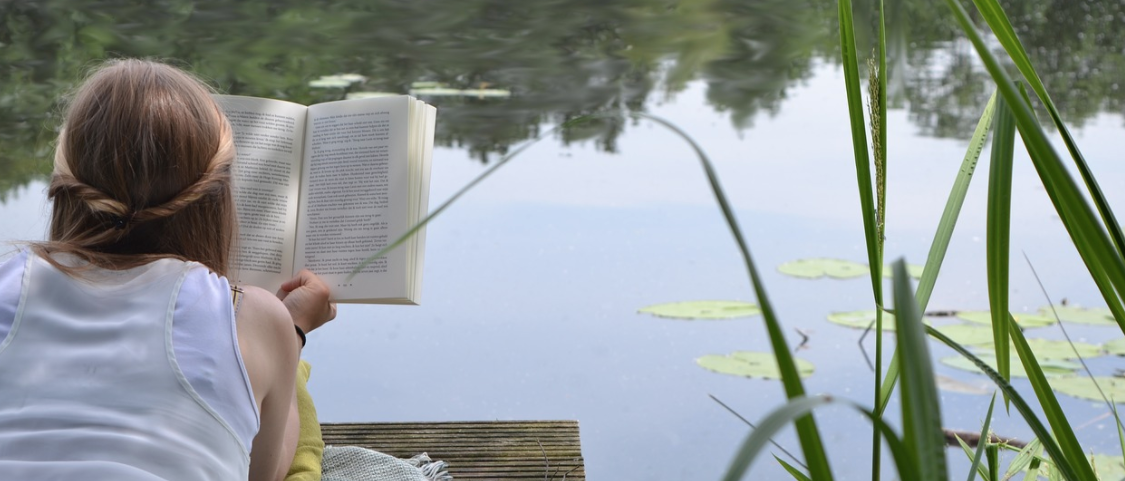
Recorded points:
500,450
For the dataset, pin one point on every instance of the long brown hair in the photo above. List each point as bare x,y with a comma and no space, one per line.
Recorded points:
142,171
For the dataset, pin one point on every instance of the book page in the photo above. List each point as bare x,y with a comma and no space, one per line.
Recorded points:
354,196
269,138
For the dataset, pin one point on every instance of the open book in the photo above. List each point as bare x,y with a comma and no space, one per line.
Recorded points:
326,186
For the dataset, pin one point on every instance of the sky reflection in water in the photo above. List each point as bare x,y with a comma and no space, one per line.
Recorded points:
532,281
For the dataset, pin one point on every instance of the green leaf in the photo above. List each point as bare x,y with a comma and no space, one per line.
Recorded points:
1083,387
750,364
1079,315
974,457
796,473
1025,320
984,441
1050,368
820,267
1024,458
921,411
999,230
703,310
861,319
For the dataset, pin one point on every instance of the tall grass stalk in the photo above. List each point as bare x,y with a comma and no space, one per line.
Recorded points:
998,232
877,95
984,438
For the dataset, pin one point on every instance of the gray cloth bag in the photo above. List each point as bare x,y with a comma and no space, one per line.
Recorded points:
353,463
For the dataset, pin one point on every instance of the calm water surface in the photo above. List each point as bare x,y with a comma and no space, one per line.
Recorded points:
532,281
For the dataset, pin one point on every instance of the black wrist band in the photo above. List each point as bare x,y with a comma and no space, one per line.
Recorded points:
300,333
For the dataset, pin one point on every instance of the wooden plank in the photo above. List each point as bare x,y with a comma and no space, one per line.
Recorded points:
500,450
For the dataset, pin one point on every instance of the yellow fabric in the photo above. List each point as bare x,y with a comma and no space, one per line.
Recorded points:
310,444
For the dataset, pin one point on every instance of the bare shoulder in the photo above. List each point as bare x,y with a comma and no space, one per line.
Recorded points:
267,341
262,312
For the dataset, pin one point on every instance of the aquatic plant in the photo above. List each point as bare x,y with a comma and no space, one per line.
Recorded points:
919,452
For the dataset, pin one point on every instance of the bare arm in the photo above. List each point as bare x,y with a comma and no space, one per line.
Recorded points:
270,350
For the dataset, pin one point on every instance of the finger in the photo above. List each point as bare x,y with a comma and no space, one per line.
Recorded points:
302,278
332,311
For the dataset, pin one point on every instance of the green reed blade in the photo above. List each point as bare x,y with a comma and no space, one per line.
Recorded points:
807,432
998,235
984,438
796,473
796,408
802,407
977,466
998,21
1064,434
850,60
1099,253
1025,458
940,244
1062,464
993,462
879,140
1120,430
921,411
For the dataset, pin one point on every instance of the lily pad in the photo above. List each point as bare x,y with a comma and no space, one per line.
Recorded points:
1108,467
1024,319
912,270
1045,349
1115,347
968,334
337,81
1083,387
819,267
368,95
329,83
1049,367
448,92
703,310
861,319
1078,315
946,383
750,364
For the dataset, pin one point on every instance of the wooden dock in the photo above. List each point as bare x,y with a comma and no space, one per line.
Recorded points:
500,450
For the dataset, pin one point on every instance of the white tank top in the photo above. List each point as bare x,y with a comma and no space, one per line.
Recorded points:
90,387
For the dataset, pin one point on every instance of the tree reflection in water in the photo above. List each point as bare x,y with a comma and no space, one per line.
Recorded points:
560,59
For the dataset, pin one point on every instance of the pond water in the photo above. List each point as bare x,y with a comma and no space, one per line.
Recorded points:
533,280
